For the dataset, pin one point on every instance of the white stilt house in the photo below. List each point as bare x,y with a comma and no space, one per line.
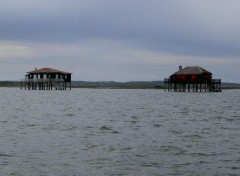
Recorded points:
46,79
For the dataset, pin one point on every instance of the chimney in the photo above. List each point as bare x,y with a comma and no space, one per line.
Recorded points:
180,67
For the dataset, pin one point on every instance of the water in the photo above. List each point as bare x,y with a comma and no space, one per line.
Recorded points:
119,132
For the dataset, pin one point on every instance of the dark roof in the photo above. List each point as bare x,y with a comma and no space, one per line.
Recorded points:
48,70
192,70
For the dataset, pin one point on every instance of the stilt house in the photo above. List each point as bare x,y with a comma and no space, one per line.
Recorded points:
46,79
194,78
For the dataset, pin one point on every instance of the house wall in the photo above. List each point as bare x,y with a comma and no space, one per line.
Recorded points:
66,77
191,79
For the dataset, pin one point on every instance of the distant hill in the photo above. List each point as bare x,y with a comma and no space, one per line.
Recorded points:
230,85
113,84
9,83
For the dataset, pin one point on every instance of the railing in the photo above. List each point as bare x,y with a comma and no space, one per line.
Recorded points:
166,80
43,80
216,81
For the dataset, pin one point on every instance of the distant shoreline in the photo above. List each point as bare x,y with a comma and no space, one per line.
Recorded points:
117,85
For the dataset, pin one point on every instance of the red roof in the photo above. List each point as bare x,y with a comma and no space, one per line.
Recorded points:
48,70
193,70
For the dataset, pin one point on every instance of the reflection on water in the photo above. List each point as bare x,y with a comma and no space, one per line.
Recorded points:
119,132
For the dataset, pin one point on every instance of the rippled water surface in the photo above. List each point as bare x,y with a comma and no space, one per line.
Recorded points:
119,132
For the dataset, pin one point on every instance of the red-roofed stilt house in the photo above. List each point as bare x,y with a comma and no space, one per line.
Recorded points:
192,78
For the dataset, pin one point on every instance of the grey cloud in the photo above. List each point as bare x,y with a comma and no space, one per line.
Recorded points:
191,28
184,27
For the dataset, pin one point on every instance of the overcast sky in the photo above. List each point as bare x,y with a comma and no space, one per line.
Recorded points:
120,40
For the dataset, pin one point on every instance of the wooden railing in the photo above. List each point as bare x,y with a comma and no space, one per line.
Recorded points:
43,80
216,81
166,80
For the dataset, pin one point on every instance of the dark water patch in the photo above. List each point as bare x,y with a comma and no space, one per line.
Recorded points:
70,128
111,149
132,121
230,128
172,149
69,115
126,148
175,132
115,132
90,146
30,125
200,111
234,168
4,163
201,162
201,154
90,127
107,129
5,155
148,165
226,160
233,119
141,108
140,155
67,109
123,115
157,125
193,136
136,117
59,127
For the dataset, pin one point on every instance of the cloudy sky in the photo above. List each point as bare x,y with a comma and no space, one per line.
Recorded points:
120,40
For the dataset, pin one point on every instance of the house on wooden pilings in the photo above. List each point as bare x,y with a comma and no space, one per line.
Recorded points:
192,79
46,79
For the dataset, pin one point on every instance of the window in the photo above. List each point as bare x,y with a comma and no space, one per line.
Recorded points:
193,77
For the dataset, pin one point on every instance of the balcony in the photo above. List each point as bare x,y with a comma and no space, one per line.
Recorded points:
43,80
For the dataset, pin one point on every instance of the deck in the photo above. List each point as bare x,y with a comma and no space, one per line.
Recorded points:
44,84
213,86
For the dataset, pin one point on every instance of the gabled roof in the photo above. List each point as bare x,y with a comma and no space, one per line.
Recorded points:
48,70
196,70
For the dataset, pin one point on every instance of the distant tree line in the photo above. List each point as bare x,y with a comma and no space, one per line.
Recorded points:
9,83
